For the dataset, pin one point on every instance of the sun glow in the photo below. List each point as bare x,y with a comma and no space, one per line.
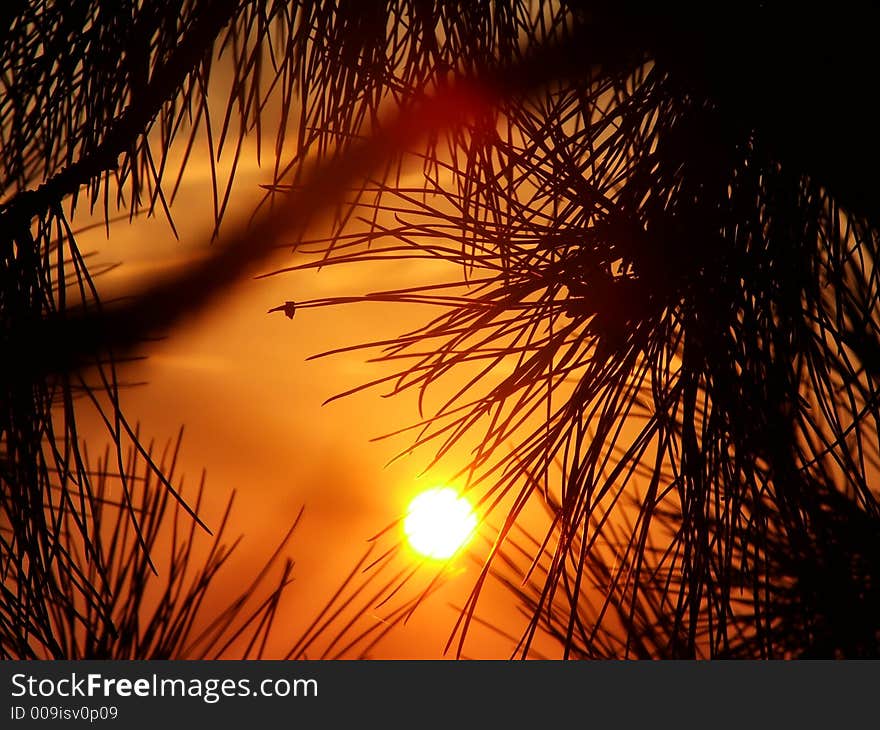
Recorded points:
439,523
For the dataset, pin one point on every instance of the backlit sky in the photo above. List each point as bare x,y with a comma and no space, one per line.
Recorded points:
238,379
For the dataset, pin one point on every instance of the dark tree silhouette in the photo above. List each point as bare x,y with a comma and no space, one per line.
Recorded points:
666,228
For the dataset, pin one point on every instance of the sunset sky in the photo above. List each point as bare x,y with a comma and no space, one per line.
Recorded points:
238,380
583,295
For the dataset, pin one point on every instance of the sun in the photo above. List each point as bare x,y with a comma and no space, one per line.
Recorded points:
439,523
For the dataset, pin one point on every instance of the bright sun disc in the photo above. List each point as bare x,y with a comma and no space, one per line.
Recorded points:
439,522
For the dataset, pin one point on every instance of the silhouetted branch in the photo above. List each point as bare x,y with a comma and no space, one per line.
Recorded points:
667,259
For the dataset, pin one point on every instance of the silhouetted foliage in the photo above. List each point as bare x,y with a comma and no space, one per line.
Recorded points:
668,258
683,311
109,601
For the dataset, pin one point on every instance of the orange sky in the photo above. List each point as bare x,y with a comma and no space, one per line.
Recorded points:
238,379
